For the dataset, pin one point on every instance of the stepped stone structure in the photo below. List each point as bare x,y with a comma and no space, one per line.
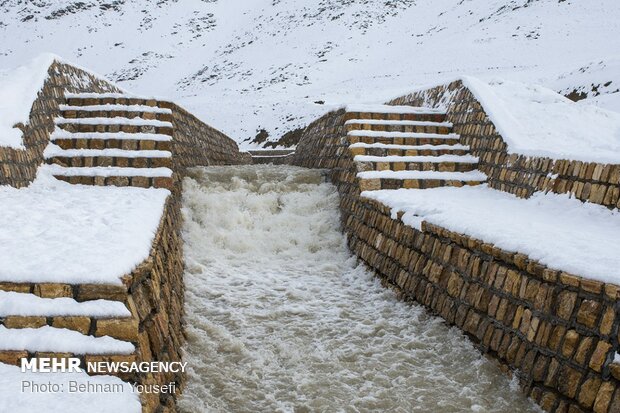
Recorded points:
558,332
86,131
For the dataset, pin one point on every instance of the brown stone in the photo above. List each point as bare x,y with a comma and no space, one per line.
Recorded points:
588,391
603,397
569,279
24,322
568,381
588,313
556,337
120,328
591,286
570,342
581,355
101,291
12,357
81,324
607,320
53,290
565,305
599,356
15,287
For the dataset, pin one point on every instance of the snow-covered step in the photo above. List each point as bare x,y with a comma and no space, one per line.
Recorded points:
389,112
401,138
364,108
107,157
112,176
111,140
30,305
115,124
398,125
116,111
125,328
60,340
94,99
388,179
383,149
442,163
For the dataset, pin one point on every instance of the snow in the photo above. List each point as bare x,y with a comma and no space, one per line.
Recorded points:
54,150
447,176
56,232
421,159
381,134
24,304
18,90
114,121
536,121
559,232
63,134
107,95
14,399
396,122
393,109
58,170
416,147
114,107
61,340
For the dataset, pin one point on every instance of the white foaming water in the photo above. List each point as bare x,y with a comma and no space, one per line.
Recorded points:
281,317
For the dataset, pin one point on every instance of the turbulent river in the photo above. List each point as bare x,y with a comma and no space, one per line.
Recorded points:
281,317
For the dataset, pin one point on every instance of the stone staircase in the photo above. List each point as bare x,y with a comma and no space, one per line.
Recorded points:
46,320
407,147
112,139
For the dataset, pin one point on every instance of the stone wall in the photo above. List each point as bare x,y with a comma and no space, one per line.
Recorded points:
518,174
196,143
556,331
18,167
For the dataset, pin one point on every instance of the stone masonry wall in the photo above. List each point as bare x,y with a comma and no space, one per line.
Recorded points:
18,167
196,143
518,174
557,332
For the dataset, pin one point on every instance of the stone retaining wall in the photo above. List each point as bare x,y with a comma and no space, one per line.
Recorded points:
557,332
518,174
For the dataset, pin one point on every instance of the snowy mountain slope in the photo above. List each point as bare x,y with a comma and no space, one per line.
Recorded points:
276,64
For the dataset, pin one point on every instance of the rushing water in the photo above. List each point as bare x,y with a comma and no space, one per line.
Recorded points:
281,317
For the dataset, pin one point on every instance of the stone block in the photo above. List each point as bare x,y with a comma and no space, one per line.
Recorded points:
588,313
603,397
45,290
566,304
24,322
119,328
81,324
599,357
12,357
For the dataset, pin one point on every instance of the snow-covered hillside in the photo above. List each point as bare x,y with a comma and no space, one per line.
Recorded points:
276,64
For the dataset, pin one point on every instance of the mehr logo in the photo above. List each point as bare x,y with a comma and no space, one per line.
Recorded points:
72,365
51,365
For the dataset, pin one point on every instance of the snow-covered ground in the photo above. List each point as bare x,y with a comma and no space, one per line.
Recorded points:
18,89
562,233
281,317
56,232
18,393
537,121
277,65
